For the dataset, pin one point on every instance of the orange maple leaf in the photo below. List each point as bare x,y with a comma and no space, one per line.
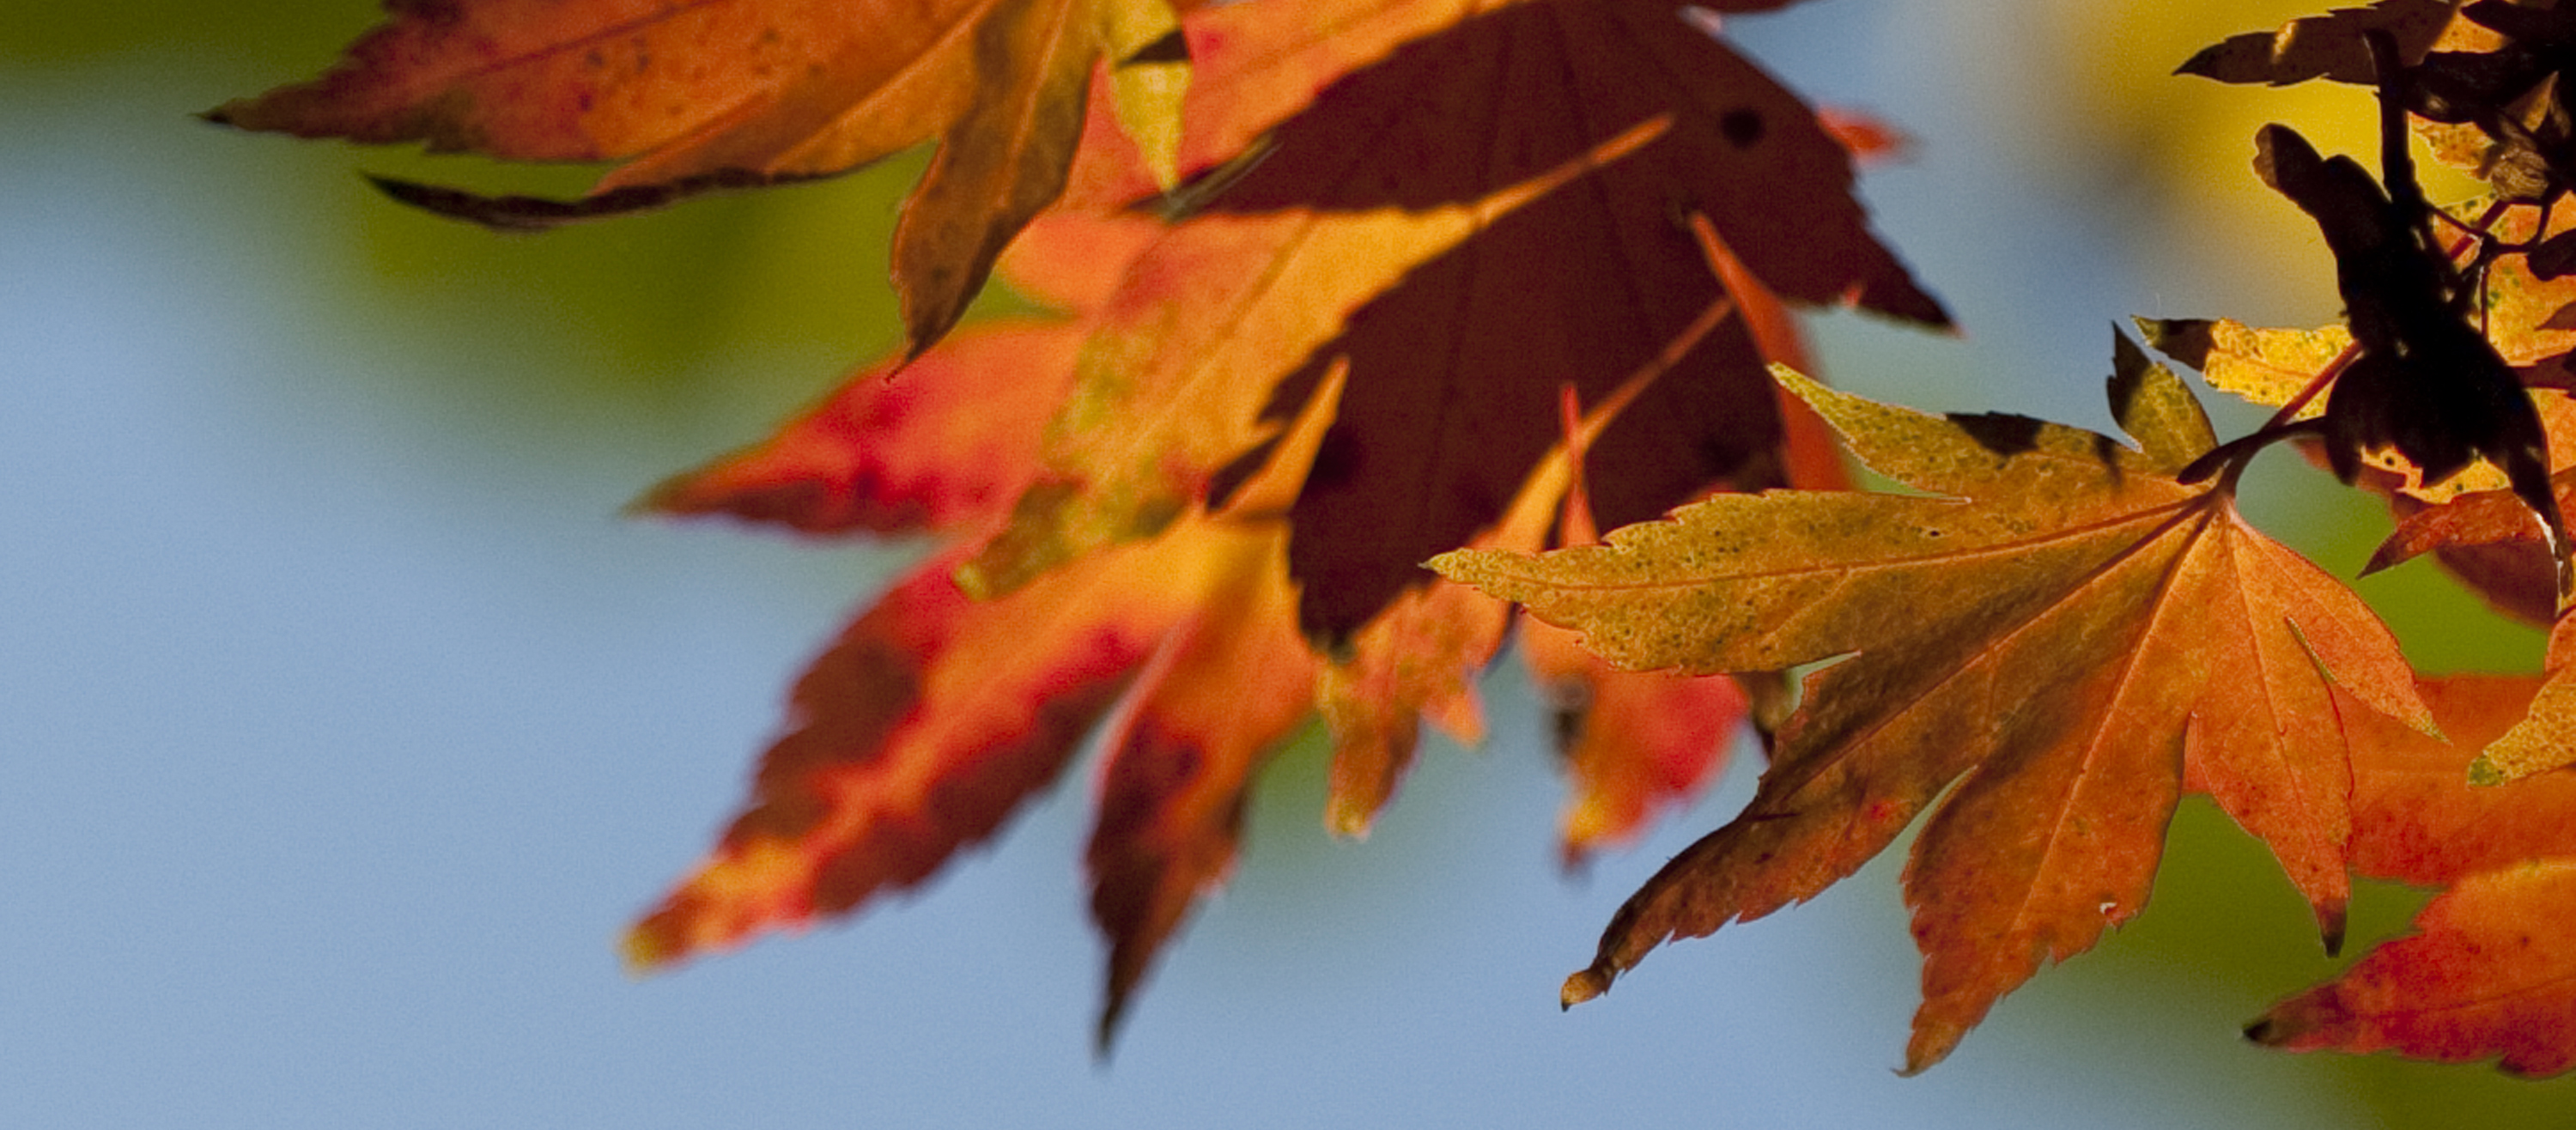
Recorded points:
932,449
2059,640
734,93
2490,971
935,716
946,442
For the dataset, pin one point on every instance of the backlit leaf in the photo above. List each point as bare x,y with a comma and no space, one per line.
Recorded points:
948,443
923,728
1171,383
2416,817
730,93
2328,46
2077,629
2546,738
2266,366
2490,973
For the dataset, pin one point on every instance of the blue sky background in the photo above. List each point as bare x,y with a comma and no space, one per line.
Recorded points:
346,723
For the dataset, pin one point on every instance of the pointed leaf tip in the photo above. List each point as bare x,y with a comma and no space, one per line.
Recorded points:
1584,985
646,951
1345,820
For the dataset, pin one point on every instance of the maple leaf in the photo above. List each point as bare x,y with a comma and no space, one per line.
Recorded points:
1558,255
2057,639
1181,359
935,716
1418,659
1454,372
2490,971
1632,741
2546,738
1211,672
933,450
2487,974
946,442
2329,46
2481,531
736,93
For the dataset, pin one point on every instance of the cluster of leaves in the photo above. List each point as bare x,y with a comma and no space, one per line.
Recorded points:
1344,285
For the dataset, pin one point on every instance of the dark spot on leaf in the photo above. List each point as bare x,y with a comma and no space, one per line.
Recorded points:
2563,318
1568,726
2187,340
1171,48
2108,451
1741,126
2005,433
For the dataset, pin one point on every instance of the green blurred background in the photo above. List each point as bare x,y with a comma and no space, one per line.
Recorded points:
348,722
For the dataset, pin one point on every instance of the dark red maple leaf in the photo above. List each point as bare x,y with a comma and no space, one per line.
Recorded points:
1454,370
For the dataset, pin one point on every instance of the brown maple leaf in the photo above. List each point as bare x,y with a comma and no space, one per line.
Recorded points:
2328,46
1455,370
2056,641
1418,659
716,94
